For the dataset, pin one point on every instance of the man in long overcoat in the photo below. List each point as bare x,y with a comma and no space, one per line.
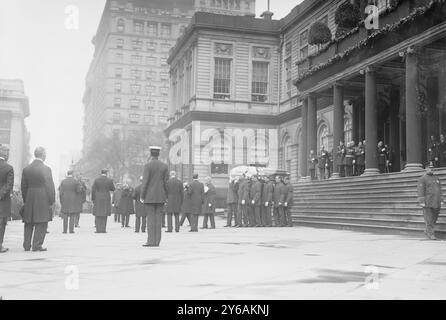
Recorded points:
430,199
174,201
279,195
101,197
186,206
288,204
267,203
154,195
197,199
115,202
69,195
232,201
256,202
39,195
243,199
81,199
6,186
126,206
141,218
210,194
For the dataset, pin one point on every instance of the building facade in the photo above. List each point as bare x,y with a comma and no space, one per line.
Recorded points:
14,109
127,85
263,74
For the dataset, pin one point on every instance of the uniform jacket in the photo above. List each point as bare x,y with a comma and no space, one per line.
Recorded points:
100,195
139,207
243,191
126,205
233,193
267,193
360,155
323,159
432,153
186,206
349,156
429,191
154,185
255,193
38,192
174,195
341,152
6,186
209,199
196,196
70,196
279,194
312,162
289,194
382,155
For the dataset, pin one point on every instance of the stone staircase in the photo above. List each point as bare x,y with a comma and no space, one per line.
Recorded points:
382,204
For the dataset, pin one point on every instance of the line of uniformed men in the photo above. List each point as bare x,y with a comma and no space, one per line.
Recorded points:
253,202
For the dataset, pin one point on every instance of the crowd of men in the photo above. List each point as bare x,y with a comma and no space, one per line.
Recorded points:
252,201
351,160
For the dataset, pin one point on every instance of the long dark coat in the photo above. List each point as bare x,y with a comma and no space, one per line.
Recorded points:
289,194
209,200
279,194
126,205
154,185
243,191
81,196
186,207
255,193
6,185
38,193
429,191
197,196
69,195
174,195
139,207
232,193
267,193
100,195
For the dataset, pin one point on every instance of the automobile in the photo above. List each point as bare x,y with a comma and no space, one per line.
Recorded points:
262,172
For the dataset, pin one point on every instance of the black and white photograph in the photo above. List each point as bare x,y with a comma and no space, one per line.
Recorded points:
242,151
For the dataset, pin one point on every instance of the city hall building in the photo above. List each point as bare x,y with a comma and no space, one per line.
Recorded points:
385,84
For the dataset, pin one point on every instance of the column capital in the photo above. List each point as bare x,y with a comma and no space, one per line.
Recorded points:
370,69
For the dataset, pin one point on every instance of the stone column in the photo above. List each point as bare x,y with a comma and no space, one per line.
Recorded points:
16,146
413,120
312,124
303,140
371,123
338,124
361,126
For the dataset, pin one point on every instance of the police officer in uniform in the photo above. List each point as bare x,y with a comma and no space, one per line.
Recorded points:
141,218
267,203
312,164
349,159
256,202
360,158
341,152
430,199
288,202
382,157
243,198
279,194
232,200
323,163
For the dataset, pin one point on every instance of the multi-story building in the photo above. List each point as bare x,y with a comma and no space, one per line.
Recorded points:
263,74
127,85
14,108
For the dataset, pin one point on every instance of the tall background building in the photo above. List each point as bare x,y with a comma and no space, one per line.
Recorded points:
14,108
127,85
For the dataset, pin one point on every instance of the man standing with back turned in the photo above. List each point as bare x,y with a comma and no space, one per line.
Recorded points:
39,195
101,197
6,185
154,195
430,199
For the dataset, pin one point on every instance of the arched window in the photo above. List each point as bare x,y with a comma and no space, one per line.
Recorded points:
323,137
121,25
348,131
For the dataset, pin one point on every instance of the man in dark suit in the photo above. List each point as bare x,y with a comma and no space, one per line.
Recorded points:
232,200
256,202
126,206
6,186
267,202
279,195
174,201
69,191
101,197
154,195
288,204
243,199
115,202
186,207
39,195
81,199
209,203
197,199
141,218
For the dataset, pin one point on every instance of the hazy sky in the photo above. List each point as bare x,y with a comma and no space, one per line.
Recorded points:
52,60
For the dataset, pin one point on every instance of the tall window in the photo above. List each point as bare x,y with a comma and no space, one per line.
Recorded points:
348,131
303,44
119,43
121,25
138,26
137,44
136,88
117,102
164,91
151,61
118,72
287,154
134,103
288,76
150,104
118,87
116,117
152,29
222,78
151,45
260,81
134,118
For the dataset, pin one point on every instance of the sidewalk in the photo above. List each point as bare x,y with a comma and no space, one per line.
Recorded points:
257,263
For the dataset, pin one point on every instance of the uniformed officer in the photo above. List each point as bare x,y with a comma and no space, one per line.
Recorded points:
174,202
360,158
382,157
209,203
126,206
256,202
341,152
100,195
323,163
430,199
154,195
232,201
141,218
279,194
432,152
267,203
312,164
349,159
6,187
288,204
115,202
243,198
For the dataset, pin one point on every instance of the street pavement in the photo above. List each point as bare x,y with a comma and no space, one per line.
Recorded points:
226,263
